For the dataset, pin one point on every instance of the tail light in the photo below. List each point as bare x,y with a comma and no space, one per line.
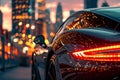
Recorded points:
107,53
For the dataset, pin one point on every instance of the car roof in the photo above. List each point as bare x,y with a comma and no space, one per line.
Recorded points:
110,12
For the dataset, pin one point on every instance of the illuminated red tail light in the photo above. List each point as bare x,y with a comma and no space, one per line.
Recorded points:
108,53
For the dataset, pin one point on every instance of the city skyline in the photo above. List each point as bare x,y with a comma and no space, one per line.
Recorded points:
51,4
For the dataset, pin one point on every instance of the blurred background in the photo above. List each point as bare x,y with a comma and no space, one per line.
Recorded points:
22,20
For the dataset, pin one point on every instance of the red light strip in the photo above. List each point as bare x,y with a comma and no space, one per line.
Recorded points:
103,48
99,57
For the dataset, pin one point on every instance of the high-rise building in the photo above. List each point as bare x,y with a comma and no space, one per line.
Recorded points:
1,21
41,22
48,23
105,4
90,4
41,9
59,16
72,12
47,11
23,15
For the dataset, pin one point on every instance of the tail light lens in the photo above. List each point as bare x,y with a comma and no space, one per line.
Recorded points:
107,53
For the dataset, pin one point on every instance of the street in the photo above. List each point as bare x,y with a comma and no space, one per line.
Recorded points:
19,73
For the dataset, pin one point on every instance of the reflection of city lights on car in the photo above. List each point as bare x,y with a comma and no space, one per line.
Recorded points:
15,40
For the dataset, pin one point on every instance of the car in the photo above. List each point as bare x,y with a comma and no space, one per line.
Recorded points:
86,47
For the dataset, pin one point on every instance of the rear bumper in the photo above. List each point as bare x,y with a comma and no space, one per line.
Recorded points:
91,70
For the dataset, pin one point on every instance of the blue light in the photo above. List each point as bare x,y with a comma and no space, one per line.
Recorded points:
30,10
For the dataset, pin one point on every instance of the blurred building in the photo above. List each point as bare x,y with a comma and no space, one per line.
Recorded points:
52,34
41,22
90,4
1,21
23,15
41,9
105,4
48,23
39,26
59,16
7,35
72,12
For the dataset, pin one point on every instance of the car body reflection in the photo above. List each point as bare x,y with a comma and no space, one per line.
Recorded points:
86,47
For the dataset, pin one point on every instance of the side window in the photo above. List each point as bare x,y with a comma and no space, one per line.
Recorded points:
91,20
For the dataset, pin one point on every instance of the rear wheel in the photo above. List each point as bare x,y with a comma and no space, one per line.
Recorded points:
50,67
50,72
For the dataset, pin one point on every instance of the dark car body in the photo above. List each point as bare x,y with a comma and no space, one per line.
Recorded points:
86,47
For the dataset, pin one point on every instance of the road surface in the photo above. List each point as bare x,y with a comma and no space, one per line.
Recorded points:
20,73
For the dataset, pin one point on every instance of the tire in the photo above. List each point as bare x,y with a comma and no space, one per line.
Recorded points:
50,67
50,72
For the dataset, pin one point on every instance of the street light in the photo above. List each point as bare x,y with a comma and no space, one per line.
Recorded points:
9,44
33,27
33,37
25,49
46,41
20,42
27,25
29,36
15,40
52,34
23,35
20,23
